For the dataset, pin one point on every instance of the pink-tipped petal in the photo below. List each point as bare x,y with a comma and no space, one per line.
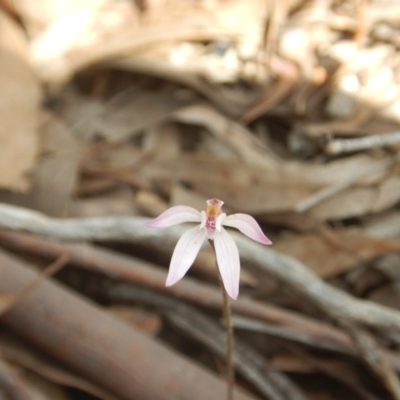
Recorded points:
174,216
228,262
248,226
184,254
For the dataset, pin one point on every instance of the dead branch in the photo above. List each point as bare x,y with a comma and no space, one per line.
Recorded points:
290,271
205,330
291,326
19,353
98,346
139,272
109,228
334,302
340,146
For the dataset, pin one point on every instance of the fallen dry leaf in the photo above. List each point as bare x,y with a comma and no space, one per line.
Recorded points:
19,108
358,201
55,172
334,252
230,133
282,187
165,31
123,116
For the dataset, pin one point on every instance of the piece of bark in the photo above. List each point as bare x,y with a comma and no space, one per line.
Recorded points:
21,354
101,348
13,385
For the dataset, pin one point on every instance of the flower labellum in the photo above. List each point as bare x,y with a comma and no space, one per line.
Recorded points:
211,226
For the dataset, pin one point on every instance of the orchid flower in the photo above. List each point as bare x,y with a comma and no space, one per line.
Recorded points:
212,222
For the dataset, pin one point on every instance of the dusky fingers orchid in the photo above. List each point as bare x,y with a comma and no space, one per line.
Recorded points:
211,226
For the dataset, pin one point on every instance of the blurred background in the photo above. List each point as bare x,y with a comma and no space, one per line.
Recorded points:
286,110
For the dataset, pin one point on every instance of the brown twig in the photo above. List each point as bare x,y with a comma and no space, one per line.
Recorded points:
340,146
8,300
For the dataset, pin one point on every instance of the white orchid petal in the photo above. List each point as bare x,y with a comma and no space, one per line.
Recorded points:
228,262
185,253
203,217
248,226
220,221
174,216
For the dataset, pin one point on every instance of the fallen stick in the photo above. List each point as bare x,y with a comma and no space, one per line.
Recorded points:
287,269
21,354
142,273
336,303
340,146
248,362
316,333
103,349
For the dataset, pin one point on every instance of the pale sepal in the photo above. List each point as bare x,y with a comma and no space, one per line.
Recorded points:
174,216
228,262
185,253
248,226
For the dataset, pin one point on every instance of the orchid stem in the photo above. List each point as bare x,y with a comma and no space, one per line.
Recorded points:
229,340
230,372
